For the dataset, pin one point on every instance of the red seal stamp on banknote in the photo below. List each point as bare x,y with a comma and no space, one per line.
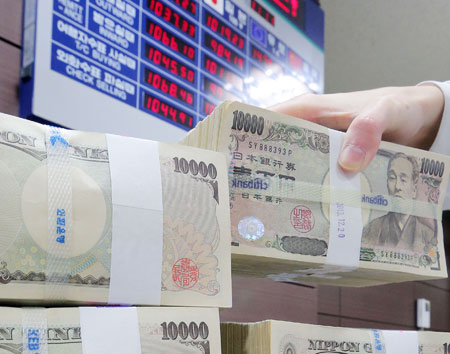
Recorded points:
185,273
302,218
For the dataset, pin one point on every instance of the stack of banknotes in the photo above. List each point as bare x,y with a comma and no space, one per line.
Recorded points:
83,215
278,337
145,330
285,187
89,218
195,266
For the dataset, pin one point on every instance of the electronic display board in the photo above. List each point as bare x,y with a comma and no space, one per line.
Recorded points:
155,68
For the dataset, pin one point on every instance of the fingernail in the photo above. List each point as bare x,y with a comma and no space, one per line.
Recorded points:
352,158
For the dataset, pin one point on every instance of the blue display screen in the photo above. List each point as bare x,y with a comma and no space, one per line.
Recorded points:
175,60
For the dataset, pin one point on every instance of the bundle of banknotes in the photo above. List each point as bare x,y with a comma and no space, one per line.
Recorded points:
91,330
270,337
293,210
195,266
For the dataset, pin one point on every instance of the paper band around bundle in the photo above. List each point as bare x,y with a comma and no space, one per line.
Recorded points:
34,331
394,342
137,221
137,218
59,212
346,223
322,194
104,329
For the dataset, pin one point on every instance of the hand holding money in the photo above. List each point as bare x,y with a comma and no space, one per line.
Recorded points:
295,216
404,115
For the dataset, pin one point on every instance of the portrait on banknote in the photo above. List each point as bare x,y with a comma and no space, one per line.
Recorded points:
396,229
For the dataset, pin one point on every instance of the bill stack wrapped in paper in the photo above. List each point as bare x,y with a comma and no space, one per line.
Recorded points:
296,216
128,330
89,217
278,337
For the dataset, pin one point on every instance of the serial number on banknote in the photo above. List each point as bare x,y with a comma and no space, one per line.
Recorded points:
257,146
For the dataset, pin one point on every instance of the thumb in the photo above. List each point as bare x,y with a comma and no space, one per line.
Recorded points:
363,137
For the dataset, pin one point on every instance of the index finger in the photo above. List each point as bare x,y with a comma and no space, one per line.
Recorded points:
325,110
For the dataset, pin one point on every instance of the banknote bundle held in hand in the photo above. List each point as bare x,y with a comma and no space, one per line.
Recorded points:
295,216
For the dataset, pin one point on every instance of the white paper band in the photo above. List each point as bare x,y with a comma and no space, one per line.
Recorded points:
110,330
34,331
377,339
394,342
345,221
59,212
137,221
346,225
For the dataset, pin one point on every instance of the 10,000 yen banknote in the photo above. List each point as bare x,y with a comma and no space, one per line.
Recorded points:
279,178
68,330
270,337
195,267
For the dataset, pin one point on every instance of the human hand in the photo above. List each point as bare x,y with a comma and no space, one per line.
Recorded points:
405,115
